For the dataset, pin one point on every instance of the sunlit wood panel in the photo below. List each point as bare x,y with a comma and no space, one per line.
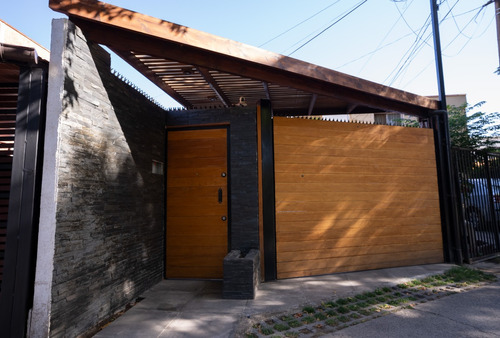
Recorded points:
196,241
354,197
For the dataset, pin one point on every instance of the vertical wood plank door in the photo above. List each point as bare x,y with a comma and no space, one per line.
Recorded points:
197,203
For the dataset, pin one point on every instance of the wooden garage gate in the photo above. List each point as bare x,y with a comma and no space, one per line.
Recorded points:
354,197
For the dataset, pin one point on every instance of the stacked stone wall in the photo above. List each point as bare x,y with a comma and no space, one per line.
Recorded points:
109,205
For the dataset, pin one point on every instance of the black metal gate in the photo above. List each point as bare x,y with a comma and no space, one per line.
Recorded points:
477,176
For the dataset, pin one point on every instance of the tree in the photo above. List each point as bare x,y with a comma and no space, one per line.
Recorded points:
476,130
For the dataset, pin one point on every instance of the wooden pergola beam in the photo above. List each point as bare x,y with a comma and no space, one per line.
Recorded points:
131,60
312,103
205,73
266,89
118,27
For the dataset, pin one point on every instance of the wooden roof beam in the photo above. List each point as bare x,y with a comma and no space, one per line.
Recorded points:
266,89
350,108
164,49
118,27
132,60
205,73
312,103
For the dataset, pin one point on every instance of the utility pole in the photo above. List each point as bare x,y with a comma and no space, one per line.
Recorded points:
497,15
438,55
446,181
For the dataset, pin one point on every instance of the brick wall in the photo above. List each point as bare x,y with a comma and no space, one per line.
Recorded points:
109,206
242,167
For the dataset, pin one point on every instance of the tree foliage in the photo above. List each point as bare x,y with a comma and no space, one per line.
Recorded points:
471,128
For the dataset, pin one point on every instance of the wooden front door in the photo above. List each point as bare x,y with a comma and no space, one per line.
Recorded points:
197,203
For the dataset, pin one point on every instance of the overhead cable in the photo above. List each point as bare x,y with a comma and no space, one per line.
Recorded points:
330,26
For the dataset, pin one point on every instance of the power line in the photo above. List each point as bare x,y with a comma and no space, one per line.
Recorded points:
330,26
459,33
415,51
410,52
401,15
300,23
389,32
375,50
469,38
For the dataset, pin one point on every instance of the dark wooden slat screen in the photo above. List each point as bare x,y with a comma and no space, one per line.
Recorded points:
8,102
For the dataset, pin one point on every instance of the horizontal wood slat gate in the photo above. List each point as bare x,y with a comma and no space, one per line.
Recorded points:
354,197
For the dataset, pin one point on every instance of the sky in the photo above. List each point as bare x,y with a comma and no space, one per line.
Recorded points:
384,41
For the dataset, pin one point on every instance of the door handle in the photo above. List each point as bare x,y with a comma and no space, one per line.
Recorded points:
220,195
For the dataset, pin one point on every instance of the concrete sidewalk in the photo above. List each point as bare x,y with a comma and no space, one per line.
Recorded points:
473,313
180,308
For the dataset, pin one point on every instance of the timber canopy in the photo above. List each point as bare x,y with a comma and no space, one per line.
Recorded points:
201,70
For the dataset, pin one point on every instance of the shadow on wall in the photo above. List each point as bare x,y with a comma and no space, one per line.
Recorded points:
109,237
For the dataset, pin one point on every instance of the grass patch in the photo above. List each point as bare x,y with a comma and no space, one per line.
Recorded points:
292,334
281,327
343,319
342,301
355,315
342,309
308,320
353,307
294,323
266,331
331,313
251,335
361,296
308,309
369,302
329,304
463,274
365,312
320,316
332,322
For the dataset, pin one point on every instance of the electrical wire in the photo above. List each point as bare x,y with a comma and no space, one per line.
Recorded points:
409,54
330,26
375,50
403,68
300,23
474,18
389,32
401,16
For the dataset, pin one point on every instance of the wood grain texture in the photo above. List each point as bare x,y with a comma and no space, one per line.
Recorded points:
196,241
353,196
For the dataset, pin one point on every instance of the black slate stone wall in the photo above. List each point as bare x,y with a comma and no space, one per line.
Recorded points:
242,167
110,207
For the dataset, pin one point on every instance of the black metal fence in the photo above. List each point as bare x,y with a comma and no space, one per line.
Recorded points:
477,175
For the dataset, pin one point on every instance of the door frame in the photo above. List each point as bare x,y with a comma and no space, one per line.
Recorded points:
223,125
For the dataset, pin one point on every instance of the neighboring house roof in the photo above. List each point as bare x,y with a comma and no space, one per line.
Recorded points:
10,35
201,70
456,100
